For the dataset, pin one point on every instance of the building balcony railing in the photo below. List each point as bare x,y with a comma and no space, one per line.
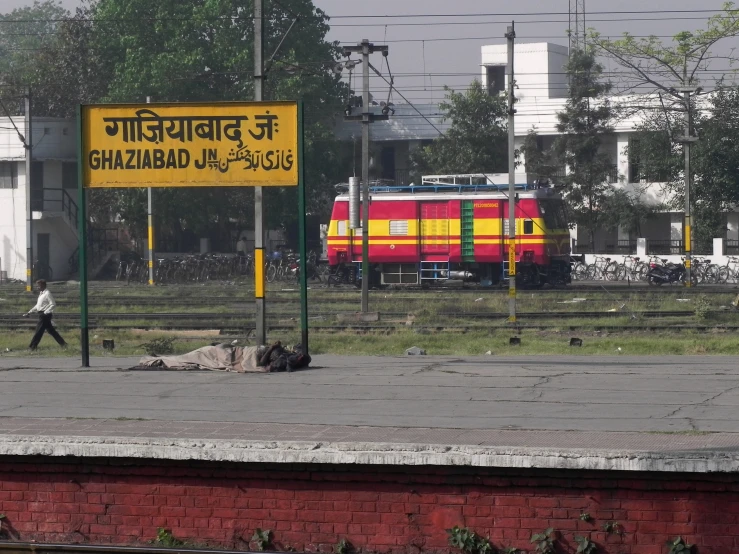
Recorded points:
559,173
54,200
664,247
613,174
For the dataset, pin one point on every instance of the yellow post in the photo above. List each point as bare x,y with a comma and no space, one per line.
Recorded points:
151,245
259,273
512,277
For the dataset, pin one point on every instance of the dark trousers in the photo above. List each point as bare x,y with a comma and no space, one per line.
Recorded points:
44,324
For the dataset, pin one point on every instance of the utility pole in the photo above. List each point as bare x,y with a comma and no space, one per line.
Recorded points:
686,140
511,36
366,48
259,280
29,202
150,219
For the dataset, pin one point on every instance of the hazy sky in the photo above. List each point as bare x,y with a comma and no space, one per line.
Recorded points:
423,63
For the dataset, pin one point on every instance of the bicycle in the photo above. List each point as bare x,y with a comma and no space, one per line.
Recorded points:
704,270
602,268
578,270
633,268
730,271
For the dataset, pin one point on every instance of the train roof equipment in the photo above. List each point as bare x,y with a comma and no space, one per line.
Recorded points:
456,183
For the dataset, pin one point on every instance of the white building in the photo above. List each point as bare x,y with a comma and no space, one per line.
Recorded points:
393,140
540,74
53,190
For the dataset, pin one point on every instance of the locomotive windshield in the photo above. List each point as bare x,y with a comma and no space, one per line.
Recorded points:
554,213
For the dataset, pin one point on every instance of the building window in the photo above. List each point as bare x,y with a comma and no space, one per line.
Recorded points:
634,161
495,79
399,228
69,175
8,175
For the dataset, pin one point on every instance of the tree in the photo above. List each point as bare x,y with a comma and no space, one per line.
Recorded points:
476,140
627,211
70,70
714,161
586,120
583,124
197,50
23,32
650,65
665,70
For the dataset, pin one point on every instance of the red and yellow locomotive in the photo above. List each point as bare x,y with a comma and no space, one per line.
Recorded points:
453,227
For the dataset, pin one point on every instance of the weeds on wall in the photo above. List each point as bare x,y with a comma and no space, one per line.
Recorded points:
544,542
262,538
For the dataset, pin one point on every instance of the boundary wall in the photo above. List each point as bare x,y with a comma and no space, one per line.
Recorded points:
376,508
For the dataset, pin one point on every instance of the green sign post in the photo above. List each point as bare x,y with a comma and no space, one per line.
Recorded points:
223,144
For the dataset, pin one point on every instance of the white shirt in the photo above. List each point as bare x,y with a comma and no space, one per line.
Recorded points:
45,303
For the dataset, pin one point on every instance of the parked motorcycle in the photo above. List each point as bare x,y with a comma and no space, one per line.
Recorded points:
668,273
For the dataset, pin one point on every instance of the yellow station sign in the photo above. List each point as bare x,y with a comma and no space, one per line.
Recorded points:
190,145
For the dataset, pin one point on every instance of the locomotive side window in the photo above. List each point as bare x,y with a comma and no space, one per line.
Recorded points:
528,226
554,213
341,231
399,228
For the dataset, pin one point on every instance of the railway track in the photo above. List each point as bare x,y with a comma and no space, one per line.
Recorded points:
239,325
328,314
177,291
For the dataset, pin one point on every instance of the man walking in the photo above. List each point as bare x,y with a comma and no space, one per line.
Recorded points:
45,308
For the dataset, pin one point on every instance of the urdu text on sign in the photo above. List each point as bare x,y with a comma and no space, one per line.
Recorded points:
190,145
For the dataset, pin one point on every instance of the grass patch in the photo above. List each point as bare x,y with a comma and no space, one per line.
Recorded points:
444,342
439,310
532,343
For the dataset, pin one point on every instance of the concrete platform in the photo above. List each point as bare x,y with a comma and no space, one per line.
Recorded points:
611,413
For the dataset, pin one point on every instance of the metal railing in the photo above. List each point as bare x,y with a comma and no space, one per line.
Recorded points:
581,248
402,177
613,174
54,200
626,246
560,172
731,247
100,241
664,247
69,207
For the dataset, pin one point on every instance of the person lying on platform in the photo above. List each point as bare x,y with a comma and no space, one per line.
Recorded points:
239,359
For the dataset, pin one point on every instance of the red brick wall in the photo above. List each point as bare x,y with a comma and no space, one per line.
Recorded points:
375,508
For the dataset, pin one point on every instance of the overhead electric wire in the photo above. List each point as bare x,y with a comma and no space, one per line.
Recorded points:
324,15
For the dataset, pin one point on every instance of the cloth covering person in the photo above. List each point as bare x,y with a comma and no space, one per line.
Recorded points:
238,359
45,308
